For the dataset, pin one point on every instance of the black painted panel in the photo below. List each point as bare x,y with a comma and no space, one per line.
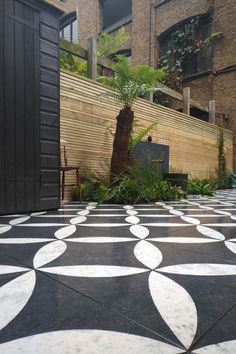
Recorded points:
2,123
29,106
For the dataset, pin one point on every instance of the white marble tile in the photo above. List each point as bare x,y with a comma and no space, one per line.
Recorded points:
86,342
65,232
167,224
19,220
176,212
206,269
182,240
14,295
148,254
190,220
132,219
5,228
128,207
23,240
6,269
231,246
83,212
100,239
139,231
91,271
131,212
38,213
78,220
52,224
219,348
206,231
104,225
48,253
175,306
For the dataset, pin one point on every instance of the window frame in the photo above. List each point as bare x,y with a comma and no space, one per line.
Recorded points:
66,21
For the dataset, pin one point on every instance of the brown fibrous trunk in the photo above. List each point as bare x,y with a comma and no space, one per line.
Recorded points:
120,155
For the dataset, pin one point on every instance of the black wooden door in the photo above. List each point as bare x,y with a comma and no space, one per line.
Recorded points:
21,173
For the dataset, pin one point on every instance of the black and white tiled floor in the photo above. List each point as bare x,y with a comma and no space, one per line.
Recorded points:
115,279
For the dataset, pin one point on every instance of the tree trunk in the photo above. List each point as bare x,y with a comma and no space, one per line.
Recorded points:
120,156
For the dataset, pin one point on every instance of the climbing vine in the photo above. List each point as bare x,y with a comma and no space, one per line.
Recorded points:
185,41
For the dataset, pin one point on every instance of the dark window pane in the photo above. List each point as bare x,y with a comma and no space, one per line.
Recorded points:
115,10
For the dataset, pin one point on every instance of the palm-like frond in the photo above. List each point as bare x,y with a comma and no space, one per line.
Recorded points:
130,81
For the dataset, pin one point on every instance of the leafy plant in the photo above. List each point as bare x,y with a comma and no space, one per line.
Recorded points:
222,173
135,138
201,186
72,63
109,44
129,82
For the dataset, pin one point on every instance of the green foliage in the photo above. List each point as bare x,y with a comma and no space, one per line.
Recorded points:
140,183
109,44
185,42
135,138
129,82
222,173
201,186
72,63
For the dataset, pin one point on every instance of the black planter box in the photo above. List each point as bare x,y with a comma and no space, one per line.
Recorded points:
178,180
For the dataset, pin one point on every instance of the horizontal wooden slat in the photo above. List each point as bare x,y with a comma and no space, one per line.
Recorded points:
86,118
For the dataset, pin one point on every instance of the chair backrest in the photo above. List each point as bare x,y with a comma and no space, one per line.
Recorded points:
63,145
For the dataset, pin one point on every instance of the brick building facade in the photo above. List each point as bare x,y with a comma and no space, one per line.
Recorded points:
146,21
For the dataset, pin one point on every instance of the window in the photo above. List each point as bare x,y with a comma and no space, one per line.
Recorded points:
69,27
126,52
114,11
171,46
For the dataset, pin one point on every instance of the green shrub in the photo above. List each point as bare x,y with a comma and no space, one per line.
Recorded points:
203,187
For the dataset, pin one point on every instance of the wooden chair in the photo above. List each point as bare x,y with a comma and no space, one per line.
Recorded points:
67,168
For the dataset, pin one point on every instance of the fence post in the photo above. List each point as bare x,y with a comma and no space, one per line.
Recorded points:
212,111
149,96
92,58
186,100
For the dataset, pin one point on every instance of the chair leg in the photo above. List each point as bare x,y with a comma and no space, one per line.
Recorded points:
63,184
78,184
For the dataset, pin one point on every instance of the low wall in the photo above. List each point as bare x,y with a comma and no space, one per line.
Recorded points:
86,121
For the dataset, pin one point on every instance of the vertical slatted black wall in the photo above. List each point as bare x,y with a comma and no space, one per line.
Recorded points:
29,106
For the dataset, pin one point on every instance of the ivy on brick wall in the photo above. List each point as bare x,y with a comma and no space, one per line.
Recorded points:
187,46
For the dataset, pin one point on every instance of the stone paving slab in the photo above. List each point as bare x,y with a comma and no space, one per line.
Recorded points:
120,278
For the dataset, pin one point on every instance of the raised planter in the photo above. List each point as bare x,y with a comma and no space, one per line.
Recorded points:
178,180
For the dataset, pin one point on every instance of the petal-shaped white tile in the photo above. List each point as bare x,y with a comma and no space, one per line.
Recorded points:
208,269
19,220
219,348
65,232
230,245
78,220
6,269
167,224
206,231
222,224
24,240
176,212
206,207
128,207
222,212
132,219
38,213
160,203
83,212
148,254
14,295
90,271
100,239
86,342
182,240
139,231
131,212
5,228
104,225
175,306
190,220
90,207
42,224
168,207
48,253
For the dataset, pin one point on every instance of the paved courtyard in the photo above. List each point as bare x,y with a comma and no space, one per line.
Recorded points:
115,279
